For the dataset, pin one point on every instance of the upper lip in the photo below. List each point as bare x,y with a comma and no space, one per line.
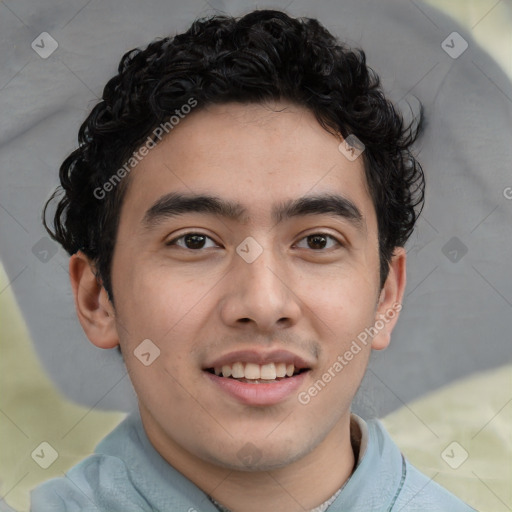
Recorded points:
259,357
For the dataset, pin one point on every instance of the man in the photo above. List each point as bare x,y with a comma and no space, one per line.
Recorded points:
236,214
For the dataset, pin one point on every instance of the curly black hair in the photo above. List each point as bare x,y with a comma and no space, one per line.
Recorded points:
264,55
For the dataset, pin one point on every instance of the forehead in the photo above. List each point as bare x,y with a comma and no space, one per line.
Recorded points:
257,156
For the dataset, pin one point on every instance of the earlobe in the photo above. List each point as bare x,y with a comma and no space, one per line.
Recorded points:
390,300
94,309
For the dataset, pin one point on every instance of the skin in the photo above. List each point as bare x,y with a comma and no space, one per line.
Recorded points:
198,304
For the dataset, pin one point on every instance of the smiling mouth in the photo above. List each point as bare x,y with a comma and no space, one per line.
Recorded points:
252,373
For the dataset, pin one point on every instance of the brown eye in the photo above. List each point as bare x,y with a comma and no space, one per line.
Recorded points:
193,241
319,241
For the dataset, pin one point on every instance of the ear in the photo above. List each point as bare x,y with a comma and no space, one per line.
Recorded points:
94,309
390,300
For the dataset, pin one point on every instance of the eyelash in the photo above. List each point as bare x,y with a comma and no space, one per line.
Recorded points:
326,235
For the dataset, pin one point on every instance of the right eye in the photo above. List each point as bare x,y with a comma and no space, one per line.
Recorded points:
192,241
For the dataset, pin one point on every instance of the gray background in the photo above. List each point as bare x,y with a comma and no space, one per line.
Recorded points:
456,316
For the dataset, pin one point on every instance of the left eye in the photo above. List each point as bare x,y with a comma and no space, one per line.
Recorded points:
192,241
318,241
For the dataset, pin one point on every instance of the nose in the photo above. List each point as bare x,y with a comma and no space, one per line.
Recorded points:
261,295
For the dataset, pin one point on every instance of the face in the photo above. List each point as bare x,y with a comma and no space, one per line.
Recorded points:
247,245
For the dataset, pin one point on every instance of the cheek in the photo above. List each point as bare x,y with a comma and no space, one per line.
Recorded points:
169,310
344,305
155,302
344,299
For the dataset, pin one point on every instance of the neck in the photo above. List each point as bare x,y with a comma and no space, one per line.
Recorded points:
300,486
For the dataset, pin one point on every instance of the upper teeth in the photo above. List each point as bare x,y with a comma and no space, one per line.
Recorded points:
255,371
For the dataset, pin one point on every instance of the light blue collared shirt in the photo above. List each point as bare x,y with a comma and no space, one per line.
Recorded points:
126,474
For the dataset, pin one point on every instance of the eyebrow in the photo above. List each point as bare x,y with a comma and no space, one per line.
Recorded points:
176,204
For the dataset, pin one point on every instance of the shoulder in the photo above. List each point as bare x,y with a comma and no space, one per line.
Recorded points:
416,492
100,482
420,493
93,485
124,474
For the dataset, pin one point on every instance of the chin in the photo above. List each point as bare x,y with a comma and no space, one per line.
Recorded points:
251,458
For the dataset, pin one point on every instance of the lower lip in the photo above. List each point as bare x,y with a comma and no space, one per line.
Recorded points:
259,394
